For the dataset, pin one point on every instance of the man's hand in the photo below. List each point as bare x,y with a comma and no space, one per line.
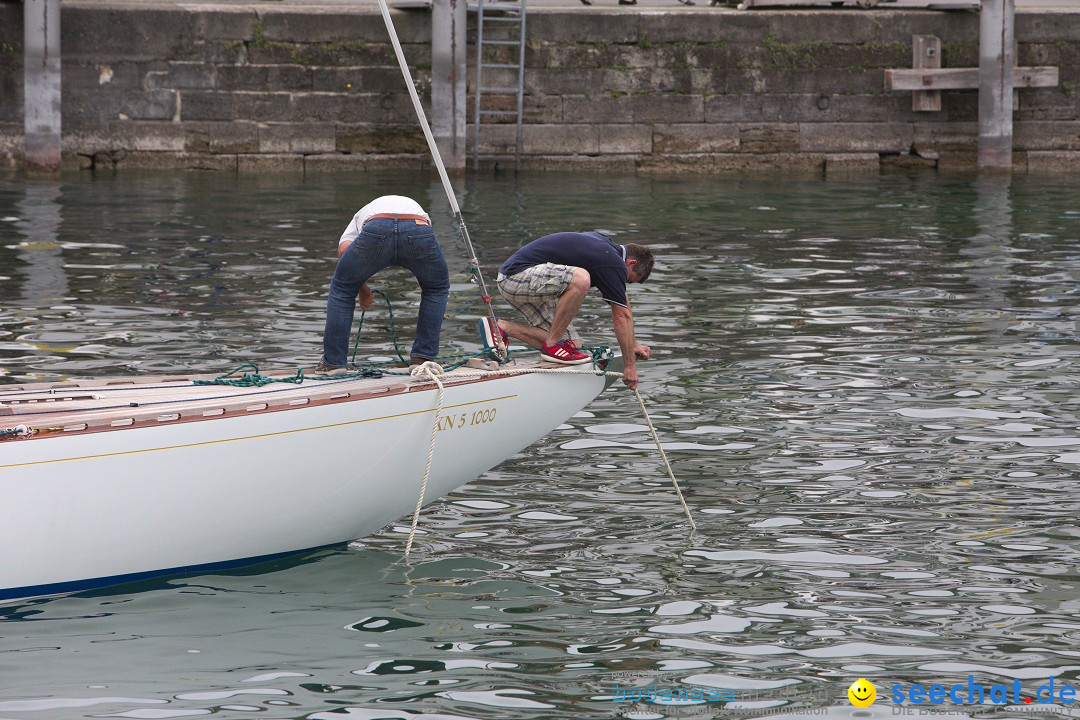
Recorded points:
629,377
642,352
365,298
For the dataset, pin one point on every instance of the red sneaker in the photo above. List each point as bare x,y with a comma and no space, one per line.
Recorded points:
564,353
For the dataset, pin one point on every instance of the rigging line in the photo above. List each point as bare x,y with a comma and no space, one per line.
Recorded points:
437,158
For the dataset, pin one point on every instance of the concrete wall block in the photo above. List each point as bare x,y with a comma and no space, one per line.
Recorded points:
961,105
769,139
852,164
1055,161
619,164
708,81
221,137
11,138
356,54
679,138
263,163
354,109
855,137
779,81
303,138
964,161
560,140
625,139
107,105
344,24
897,108
264,78
80,78
597,108
154,137
563,55
400,162
541,109
588,25
126,32
698,25
123,160
788,164
225,24
265,107
496,139
574,81
668,108
1062,136
208,106
362,79
861,56
335,162
819,107
1047,27
946,136
11,26
151,105
379,138
182,76
314,24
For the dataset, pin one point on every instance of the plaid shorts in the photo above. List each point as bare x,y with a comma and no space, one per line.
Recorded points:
535,290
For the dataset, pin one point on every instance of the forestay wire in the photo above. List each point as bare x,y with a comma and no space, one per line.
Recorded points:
437,158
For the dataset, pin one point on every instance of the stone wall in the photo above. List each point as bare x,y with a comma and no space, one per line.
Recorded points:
309,88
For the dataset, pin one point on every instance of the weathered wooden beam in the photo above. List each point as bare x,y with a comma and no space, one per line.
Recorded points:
965,78
997,63
926,55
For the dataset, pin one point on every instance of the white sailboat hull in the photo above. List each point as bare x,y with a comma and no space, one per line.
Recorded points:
94,508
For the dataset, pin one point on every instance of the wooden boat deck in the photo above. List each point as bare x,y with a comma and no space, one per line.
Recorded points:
116,402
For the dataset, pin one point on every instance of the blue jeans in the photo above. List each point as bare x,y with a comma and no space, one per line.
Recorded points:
383,242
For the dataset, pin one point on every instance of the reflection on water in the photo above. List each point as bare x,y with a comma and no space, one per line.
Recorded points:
866,390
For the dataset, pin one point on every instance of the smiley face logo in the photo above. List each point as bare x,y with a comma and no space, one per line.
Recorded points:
862,693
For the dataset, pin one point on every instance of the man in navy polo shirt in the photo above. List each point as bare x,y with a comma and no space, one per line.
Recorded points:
548,279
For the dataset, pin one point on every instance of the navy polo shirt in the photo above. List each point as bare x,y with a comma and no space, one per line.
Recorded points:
604,260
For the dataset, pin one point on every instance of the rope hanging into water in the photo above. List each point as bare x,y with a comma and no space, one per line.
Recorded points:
663,455
474,264
431,370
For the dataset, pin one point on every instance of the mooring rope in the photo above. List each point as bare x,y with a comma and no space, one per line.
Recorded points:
434,372
431,370
660,447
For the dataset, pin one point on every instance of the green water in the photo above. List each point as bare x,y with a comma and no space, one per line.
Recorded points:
866,389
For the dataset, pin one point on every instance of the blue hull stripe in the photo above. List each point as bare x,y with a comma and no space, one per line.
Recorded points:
31,591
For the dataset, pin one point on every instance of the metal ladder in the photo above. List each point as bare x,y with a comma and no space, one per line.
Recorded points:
504,16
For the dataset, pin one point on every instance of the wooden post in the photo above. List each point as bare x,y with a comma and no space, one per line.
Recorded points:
41,83
925,53
448,73
996,62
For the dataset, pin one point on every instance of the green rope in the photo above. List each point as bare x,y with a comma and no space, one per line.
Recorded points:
374,369
393,331
250,379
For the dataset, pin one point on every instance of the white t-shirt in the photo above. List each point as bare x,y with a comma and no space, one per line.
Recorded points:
381,206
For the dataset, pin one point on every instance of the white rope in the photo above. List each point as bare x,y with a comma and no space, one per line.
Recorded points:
557,371
431,370
660,447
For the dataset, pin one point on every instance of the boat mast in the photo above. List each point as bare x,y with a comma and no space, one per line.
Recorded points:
501,350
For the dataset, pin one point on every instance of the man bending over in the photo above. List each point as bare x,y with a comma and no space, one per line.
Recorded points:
548,279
